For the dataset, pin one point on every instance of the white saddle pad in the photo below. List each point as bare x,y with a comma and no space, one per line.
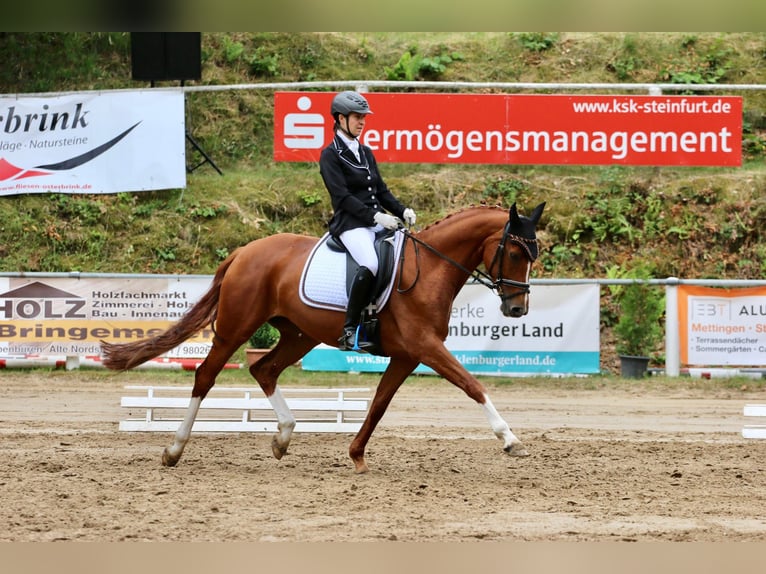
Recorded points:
323,281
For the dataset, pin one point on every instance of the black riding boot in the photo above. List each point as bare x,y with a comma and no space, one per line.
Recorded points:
358,299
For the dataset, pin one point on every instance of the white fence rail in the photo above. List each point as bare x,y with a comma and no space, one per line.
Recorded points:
755,430
246,409
654,89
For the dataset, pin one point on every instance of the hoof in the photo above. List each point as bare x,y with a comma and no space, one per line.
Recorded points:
278,450
516,449
168,460
361,467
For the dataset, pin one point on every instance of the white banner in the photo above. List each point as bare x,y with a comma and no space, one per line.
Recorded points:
559,335
93,142
71,316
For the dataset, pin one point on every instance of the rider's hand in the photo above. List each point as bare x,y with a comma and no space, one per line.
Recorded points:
409,216
386,220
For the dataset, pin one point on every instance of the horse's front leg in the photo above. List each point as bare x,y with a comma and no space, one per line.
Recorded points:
511,444
444,363
396,372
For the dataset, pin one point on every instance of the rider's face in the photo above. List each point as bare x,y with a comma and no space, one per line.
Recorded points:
354,123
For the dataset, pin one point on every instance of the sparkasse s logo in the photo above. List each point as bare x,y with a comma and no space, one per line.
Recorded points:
304,129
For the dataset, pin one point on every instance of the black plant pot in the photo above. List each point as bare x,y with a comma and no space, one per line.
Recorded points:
633,367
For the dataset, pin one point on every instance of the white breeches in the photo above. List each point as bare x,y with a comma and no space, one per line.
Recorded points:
360,243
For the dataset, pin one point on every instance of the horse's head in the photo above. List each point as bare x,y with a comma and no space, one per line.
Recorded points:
512,261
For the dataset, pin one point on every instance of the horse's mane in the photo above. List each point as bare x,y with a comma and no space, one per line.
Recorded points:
463,210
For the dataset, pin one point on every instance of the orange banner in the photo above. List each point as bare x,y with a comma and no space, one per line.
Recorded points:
722,326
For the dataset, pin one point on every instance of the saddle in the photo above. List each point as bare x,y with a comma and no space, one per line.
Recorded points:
326,279
384,248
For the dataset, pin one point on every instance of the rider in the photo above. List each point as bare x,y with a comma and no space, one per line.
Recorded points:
359,199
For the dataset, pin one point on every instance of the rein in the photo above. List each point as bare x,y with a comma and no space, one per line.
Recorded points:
479,276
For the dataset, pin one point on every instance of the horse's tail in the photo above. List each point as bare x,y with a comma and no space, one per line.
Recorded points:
125,356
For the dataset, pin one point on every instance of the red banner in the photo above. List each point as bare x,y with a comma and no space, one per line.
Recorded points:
523,129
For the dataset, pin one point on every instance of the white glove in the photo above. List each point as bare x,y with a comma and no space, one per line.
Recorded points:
386,220
409,216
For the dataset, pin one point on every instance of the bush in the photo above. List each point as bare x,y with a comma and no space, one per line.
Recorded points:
264,337
641,307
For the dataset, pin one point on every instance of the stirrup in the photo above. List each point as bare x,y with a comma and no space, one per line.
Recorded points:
348,340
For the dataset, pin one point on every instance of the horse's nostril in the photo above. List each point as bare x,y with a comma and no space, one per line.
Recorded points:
517,311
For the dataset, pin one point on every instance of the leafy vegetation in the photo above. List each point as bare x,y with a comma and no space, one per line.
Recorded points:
640,308
536,41
264,337
415,66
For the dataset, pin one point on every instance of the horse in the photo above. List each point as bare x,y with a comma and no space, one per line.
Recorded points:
259,283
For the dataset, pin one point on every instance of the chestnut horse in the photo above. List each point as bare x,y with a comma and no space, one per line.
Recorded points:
259,282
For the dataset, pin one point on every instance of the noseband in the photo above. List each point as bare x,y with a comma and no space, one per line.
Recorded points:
501,281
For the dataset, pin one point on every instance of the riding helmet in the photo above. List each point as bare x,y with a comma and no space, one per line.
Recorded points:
349,102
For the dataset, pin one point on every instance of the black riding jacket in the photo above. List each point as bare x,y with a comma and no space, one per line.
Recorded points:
357,190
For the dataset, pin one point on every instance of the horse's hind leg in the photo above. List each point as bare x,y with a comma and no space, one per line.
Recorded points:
285,424
293,344
172,454
204,379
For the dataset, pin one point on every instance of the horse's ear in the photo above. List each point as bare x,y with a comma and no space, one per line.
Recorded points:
513,214
537,212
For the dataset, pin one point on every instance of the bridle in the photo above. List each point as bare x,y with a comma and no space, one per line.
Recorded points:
479,276
501,281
